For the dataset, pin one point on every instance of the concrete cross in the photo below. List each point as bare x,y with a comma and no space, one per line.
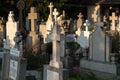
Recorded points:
55,13
86,24
80,15
113,18
51,7
32,16
95,16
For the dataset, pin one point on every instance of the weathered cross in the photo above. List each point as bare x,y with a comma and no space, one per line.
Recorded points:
55,13
86,24
51,7
32,16
113,18
95,16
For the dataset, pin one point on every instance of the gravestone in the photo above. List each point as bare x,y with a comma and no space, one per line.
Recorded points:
83,37
33,38
5,59
113,18
17,64
11,28
99,56
53,70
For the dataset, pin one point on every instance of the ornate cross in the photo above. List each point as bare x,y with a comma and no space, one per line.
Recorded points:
55,13
51,7
32,16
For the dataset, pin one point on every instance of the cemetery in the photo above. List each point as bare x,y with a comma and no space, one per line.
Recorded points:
60,40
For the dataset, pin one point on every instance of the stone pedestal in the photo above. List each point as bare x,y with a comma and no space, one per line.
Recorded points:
52,73
100,66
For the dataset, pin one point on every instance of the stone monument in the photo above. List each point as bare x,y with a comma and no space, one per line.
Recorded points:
54,69
11,28
99,56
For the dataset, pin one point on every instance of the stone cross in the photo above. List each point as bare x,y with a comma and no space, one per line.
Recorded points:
55,13
33,16
95,16
113,18
86,24
55,41
99,23
21,6
51,7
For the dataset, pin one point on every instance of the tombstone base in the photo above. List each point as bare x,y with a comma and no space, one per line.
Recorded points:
100,66
52,73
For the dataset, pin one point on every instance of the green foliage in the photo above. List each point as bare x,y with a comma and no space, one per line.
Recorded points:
72,46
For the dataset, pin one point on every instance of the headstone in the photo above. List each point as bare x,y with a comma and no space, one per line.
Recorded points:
34,40
17,64
11,28
83,37
55,65
5,59
113,18
99,52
